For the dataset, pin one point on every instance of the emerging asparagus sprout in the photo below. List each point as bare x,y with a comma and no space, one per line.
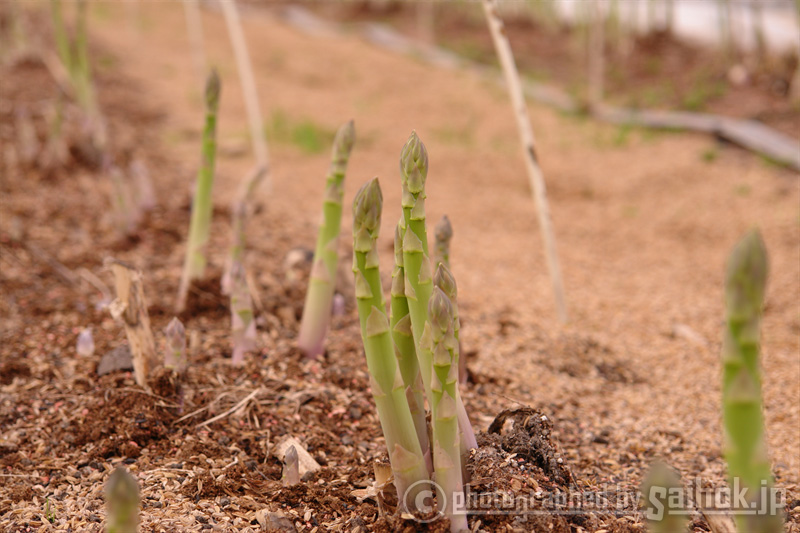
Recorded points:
440,345
319,297
242,324
238,219
175,356
663,516
746,446
131,306
122,502
443,233
404,347
85,345
386,382
195,263
291,468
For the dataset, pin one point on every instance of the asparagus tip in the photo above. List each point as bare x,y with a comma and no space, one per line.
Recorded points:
444,280
414,164
746,276
440,310
213,89
367,206
443,229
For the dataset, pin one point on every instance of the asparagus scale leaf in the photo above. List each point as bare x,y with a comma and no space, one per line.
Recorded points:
319,297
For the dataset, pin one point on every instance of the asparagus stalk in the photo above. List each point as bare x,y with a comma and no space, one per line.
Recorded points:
195,263
441,346
319,297
418,282
443,233
122,502
242,323
663,516
443,279
175,357
62,41
238,219
291,468
746,446
386,381
403,337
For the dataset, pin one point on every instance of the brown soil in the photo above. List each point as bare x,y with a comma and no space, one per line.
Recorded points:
644,225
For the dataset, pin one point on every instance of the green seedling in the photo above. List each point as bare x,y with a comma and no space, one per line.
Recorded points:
386,382
745,435
195,263
319,297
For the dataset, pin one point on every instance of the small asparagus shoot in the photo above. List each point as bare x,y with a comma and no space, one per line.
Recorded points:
85,345
131,306
405,350
239,212
291,468
122,502
386,382
175,356
658,488
319,297
195,263
441,346
242,322
443,233
443,279
745,435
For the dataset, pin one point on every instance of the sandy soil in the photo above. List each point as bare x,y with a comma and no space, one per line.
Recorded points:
644,223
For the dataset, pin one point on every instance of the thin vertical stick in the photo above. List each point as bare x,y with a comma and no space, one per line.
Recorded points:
503,49
245,68
194,26
596,55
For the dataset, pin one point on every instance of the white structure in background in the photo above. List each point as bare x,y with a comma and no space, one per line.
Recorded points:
698,20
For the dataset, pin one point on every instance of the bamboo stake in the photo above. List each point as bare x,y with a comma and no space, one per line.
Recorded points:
131,306
535,175
245,68
194,26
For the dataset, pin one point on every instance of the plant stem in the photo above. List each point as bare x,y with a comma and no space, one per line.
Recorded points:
319,297
195,263
745,434
386,382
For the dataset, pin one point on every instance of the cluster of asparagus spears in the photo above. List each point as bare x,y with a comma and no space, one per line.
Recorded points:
413,354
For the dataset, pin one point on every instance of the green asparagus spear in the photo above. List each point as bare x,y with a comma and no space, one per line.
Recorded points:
658,486
317,309
404,345
443,233
439,343
122,502
745,439
195,263
386,380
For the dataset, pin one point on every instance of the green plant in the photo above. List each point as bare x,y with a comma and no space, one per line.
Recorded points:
386,383
122,502
443,232
195,263
319,297
663,511
745,439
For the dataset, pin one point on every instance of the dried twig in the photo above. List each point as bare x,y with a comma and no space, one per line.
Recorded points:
232,409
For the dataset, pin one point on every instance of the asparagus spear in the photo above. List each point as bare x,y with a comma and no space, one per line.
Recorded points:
319,297
242,323
386,381
175,357
440,345
122,502
195,263
443,233
400,323
746,446
663,516
418,281
443,279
